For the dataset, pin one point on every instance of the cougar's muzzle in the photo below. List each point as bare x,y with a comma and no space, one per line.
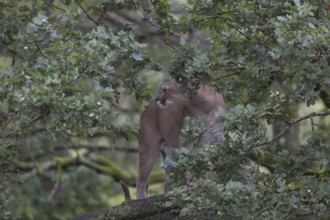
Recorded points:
160,101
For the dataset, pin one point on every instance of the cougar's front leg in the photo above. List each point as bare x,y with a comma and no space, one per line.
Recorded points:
167,151
148,153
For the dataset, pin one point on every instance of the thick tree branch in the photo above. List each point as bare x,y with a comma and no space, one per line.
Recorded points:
154,207
109,168
95,147
95,162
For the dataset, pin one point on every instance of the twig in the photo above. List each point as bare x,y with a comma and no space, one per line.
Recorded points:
40,50
312,124
257,8
34,5
56,185
125,190
85,12
168,44
58,8
153,24
18,130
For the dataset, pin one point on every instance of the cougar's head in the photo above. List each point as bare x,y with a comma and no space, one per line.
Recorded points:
170,93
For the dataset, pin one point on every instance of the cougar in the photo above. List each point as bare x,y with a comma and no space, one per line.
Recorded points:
162,120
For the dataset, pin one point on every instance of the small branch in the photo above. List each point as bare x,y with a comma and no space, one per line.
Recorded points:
125,190
312,124
159,27
47,3
313,114
12,52
225,20
19,130
170,45
296,121
257,8
58,8
34,4
239,31
40,50
87,15
57,184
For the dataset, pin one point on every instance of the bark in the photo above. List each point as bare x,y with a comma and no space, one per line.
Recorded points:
151,208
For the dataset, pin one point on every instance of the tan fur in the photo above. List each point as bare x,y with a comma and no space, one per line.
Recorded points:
162,121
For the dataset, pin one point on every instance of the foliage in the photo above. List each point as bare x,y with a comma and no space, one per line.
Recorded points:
266,57
49,81
62,84
73,192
